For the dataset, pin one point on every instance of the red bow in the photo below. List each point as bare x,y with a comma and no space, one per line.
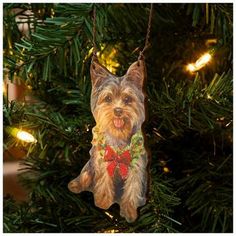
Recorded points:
121,162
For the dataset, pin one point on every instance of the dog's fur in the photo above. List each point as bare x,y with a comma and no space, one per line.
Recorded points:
110,92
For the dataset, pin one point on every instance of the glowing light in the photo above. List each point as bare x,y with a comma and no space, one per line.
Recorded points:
162,162
26,137
166,169
52,12
209,97
108,214
111,231
201,62
107,59
20,134
191,67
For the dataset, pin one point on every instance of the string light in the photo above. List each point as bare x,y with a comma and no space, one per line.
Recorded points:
25,136
166,169
20,134
111,231
108,214
201,62
209,97
52,12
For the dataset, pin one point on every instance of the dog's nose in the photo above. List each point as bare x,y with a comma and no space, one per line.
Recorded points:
118,111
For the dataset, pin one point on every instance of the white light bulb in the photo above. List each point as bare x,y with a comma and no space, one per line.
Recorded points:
26,137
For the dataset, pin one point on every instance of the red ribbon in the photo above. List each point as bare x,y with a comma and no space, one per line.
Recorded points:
114,160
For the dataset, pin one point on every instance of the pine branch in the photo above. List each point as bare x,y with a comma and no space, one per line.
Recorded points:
196,106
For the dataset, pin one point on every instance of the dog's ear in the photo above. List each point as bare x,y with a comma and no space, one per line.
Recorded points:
137,73
98,73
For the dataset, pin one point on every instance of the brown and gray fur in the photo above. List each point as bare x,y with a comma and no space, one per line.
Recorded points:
114,97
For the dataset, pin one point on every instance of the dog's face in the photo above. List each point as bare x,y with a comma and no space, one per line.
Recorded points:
117,103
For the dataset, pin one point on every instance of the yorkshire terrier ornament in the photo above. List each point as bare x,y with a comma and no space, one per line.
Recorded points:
117,169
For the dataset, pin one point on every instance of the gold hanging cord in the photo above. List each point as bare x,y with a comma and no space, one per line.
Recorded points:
147,43
94,32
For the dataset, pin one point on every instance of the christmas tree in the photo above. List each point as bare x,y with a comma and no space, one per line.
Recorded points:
48,48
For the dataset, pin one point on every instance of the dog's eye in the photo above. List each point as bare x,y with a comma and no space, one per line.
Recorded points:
127,100
108,99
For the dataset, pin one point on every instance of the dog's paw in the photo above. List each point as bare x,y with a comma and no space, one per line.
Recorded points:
74,186
103,200
81,183
129,212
